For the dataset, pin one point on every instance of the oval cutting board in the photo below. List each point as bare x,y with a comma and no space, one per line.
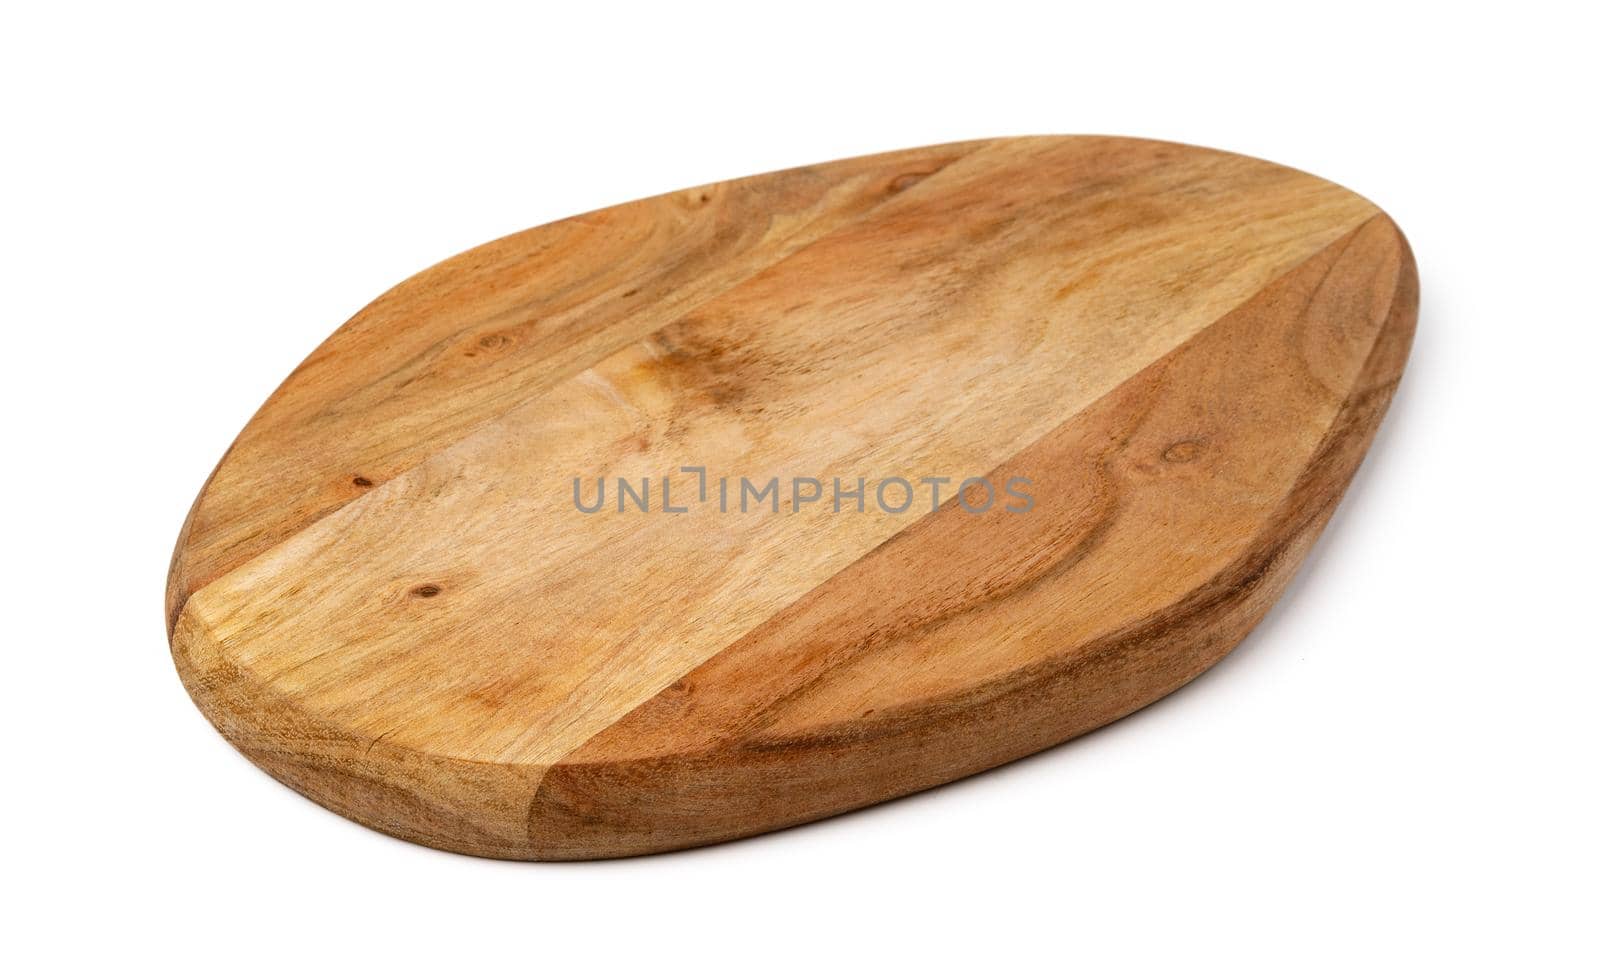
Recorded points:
1154,367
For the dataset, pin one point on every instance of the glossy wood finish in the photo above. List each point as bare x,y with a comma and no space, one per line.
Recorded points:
385,597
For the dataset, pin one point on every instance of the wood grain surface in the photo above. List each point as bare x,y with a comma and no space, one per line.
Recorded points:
387,598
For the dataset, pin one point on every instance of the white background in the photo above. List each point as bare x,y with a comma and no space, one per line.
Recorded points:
1395,774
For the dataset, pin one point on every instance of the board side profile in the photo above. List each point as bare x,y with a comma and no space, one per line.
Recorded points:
386,599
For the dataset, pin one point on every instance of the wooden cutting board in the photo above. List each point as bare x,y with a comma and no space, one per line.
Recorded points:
620,534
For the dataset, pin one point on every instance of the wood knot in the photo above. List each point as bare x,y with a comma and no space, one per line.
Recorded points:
427,591
361,481
905,181
1183,451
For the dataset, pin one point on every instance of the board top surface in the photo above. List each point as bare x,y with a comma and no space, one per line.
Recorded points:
389,596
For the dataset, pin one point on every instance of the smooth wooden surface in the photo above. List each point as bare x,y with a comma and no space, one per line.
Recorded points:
385,597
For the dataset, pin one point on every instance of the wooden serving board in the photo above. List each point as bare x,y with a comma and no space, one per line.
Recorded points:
1153,367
